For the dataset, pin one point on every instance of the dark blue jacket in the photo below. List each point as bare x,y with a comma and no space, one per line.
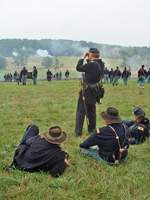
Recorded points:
38,154
91,69
106,140
92,75
142,72
117,73
138,130
125,74
24,72
35,72
106,71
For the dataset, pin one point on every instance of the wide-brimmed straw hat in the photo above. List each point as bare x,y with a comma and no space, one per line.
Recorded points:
111,115
55,135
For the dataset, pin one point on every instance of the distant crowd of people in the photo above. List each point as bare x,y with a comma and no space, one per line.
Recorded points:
57,76
24,74
9,77
114,75
111,76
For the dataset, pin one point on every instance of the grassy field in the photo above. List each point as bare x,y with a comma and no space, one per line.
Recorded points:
54,103
69,63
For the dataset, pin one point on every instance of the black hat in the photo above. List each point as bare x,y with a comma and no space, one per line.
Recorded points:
111,115
142,66
138,111
94,50
55,135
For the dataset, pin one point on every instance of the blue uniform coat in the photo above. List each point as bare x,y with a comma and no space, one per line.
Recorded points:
106,140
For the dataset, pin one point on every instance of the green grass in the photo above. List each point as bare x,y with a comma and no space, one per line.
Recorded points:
48,104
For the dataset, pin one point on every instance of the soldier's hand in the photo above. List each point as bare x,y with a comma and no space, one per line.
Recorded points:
67,163
84,54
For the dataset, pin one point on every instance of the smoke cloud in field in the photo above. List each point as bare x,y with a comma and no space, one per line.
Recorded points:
127,56
15,53
42,53
81,49
133,61
66,48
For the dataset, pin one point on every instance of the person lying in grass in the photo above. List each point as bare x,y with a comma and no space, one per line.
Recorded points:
111,140
37,152
139,128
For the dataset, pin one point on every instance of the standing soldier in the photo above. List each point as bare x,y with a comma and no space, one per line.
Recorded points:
10,77
106,75
67,75
57,76
129,74
15,76
111,75
148,76
86,103
125,75
116,76
49,75
142,74
5,77
60,75
35,72
24,75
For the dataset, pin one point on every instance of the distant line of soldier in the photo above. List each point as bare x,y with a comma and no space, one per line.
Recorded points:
113,75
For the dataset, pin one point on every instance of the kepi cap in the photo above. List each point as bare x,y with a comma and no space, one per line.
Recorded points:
94,50
138,111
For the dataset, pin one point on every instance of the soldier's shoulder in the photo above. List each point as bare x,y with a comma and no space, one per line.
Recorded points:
140,128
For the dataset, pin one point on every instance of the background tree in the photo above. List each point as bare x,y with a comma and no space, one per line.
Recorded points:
61,65
22,56
47,62
16,63
56,64
68,48
3,63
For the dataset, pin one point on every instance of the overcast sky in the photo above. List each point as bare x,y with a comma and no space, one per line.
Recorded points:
115,22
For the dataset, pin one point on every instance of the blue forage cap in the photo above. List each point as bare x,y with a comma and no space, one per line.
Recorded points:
94,50
138,111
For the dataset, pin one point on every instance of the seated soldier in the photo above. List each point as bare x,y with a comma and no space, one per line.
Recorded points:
37,152
111,140
139,128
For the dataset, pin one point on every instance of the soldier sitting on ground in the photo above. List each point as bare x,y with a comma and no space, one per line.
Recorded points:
36,152
111,140
139,128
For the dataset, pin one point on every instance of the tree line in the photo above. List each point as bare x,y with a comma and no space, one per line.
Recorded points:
22,49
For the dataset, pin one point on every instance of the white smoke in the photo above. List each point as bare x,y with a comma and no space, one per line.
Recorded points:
77,45
42,53
15,53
